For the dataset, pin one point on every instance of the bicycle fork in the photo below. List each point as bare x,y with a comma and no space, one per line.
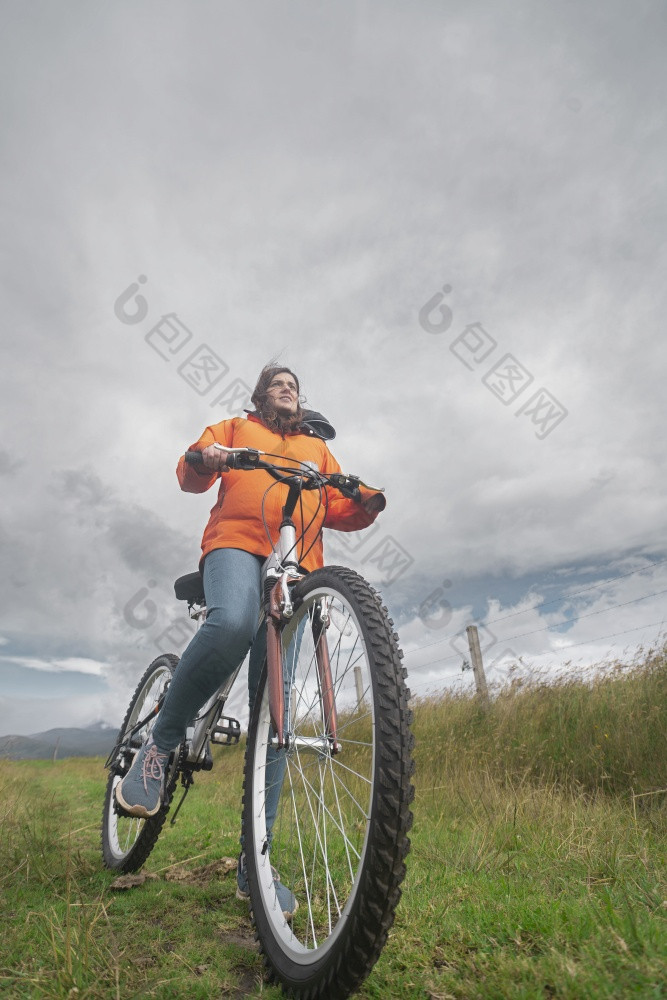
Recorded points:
278,612
280,570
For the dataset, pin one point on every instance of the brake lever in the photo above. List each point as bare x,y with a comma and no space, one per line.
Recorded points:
348,486
249,459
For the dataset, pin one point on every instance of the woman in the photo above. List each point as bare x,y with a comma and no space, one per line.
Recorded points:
234,546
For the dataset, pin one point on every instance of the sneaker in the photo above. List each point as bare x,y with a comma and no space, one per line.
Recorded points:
140,791
287,901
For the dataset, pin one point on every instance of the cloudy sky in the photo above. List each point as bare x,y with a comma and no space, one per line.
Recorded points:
449,218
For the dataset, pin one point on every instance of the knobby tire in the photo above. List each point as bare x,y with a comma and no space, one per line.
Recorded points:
128,841
339,839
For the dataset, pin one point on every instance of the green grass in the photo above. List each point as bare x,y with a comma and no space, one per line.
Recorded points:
605,731
538,864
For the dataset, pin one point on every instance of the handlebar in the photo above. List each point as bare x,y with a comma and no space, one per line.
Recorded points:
237,458
310,479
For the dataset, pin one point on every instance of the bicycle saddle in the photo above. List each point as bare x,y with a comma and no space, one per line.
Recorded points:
190,588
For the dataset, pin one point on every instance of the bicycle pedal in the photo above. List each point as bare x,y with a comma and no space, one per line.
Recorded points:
120,764
227,732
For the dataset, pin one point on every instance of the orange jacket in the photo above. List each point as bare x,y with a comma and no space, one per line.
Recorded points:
236,519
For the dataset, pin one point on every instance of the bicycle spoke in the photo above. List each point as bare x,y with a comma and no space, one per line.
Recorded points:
309,786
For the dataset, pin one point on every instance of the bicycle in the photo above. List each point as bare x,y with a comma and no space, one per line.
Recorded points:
329,738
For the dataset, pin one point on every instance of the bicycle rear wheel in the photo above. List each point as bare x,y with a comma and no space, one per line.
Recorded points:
126,840
331,824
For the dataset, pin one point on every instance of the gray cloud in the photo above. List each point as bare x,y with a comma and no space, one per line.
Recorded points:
304,180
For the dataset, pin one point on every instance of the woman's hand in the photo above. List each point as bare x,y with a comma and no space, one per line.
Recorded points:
214,459
373,504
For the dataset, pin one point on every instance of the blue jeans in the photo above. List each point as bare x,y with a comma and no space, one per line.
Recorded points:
232,587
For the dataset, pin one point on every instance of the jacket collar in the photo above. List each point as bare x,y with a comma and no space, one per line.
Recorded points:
313,424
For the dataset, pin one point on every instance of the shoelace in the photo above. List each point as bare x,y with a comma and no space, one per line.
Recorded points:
153,766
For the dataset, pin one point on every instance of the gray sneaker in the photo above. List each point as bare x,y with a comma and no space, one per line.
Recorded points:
140,791
287,901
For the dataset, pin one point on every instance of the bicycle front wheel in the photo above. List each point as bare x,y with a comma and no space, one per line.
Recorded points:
126,840
328,815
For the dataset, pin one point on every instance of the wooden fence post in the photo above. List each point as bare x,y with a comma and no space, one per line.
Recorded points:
477,664
360,688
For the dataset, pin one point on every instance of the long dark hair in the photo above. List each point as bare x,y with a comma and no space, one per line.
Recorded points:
266,410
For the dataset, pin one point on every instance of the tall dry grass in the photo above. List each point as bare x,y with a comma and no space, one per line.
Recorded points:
603,731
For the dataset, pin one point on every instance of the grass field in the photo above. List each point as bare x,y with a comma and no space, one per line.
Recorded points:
538,863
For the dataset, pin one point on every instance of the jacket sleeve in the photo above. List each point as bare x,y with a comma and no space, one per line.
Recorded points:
192,479
343,514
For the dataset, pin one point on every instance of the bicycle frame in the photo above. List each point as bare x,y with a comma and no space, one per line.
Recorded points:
279,571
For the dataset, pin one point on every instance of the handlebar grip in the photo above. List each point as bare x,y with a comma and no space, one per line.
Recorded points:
195,458
245,460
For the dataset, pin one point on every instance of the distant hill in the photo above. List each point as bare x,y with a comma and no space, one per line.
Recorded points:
93,741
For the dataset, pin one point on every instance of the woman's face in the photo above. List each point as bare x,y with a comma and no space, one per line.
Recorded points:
284,394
